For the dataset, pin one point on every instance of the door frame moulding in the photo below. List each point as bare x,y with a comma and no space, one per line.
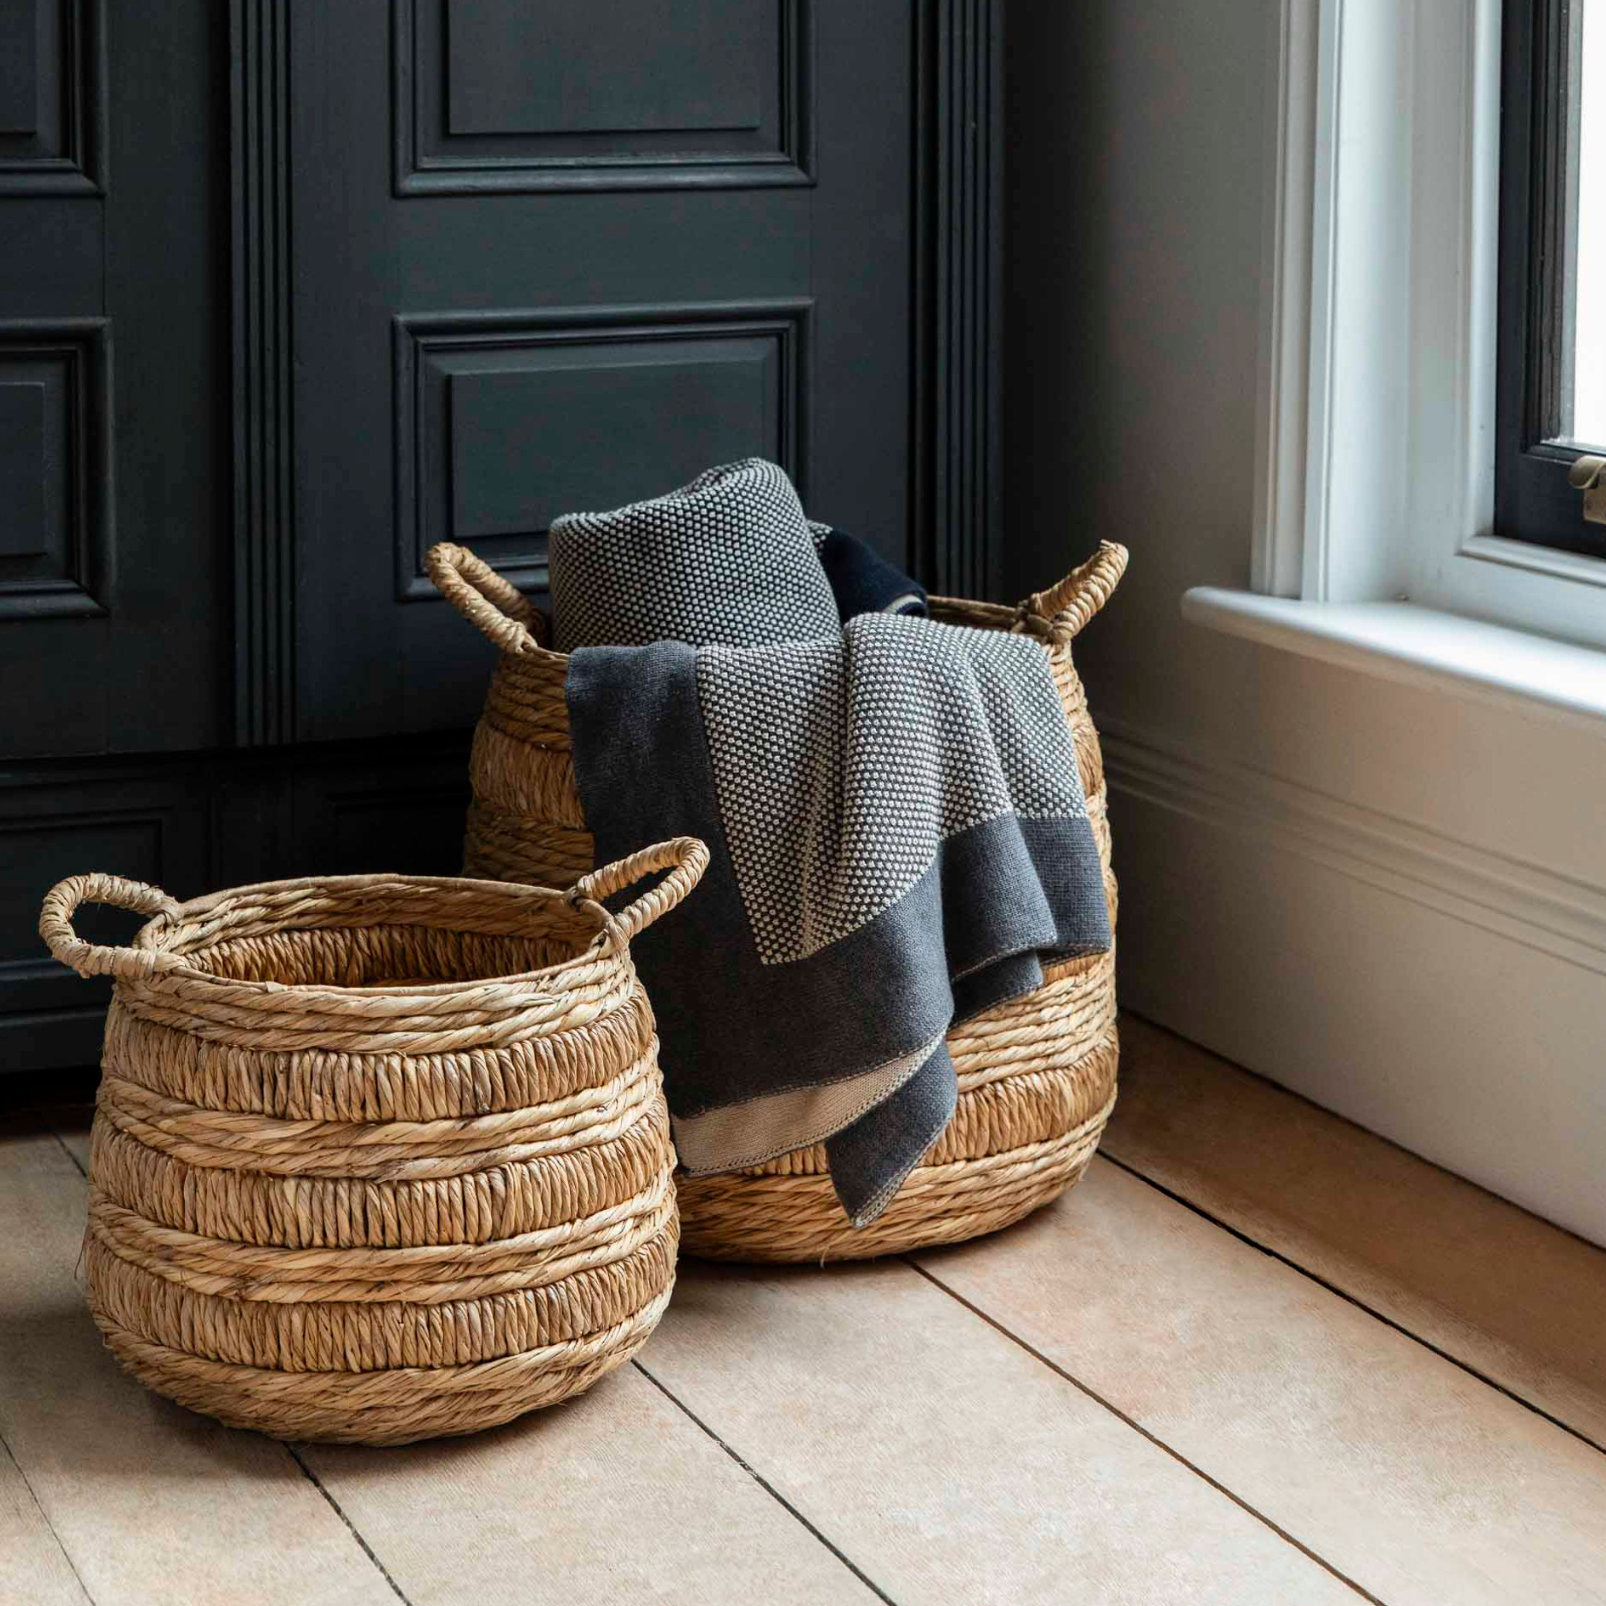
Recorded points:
263,397
956,500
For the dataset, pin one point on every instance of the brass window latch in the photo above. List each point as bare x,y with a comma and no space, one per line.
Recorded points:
1588,474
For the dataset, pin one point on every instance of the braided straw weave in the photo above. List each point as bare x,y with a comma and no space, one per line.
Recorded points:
377,1158
1036,1074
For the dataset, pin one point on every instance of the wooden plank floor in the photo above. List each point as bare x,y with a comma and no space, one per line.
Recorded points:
1257,1356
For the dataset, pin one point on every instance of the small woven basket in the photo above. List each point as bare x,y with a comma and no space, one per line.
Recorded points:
377,1158
1036,1074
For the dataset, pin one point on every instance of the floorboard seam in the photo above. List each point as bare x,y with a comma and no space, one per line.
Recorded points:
1138,1428
77,1166
351,1527
1351,1299
768,1487
44,1517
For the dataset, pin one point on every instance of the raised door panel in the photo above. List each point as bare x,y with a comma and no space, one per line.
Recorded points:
148,826
52,66
55,469
504,423
492,94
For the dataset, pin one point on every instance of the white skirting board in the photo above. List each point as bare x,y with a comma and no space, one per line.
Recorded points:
1448,998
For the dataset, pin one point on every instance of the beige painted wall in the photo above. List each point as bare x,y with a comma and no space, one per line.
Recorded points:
1391,899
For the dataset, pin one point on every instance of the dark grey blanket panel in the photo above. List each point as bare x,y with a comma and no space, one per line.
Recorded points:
739,1033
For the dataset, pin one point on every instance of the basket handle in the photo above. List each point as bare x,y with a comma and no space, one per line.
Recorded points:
489,603
685,857
1069,605
94,959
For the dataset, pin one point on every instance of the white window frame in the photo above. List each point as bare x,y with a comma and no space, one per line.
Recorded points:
1375,464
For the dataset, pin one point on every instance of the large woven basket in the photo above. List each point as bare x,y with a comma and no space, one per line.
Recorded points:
1036,1074
377,1158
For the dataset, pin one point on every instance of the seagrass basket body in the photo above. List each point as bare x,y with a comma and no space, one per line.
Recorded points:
377,1158
1036,1074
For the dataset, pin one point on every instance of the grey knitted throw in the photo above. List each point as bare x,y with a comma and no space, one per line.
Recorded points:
896,822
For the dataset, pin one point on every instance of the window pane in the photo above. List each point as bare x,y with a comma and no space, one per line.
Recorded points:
1588,410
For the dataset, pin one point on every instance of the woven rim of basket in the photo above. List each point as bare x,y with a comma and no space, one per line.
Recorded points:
443,903
168,927
517,627
458,896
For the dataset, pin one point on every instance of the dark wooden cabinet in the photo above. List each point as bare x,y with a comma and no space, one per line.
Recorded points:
291,290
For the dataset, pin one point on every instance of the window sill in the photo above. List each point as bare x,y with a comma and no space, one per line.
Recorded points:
1415,646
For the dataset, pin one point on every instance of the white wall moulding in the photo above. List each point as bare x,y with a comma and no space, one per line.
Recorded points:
1514,669
1434,991
1513,898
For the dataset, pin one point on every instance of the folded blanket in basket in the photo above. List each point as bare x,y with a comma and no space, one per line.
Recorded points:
898,835
727,558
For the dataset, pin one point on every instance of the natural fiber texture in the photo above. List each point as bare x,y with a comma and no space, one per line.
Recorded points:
1036,1074
378,1157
